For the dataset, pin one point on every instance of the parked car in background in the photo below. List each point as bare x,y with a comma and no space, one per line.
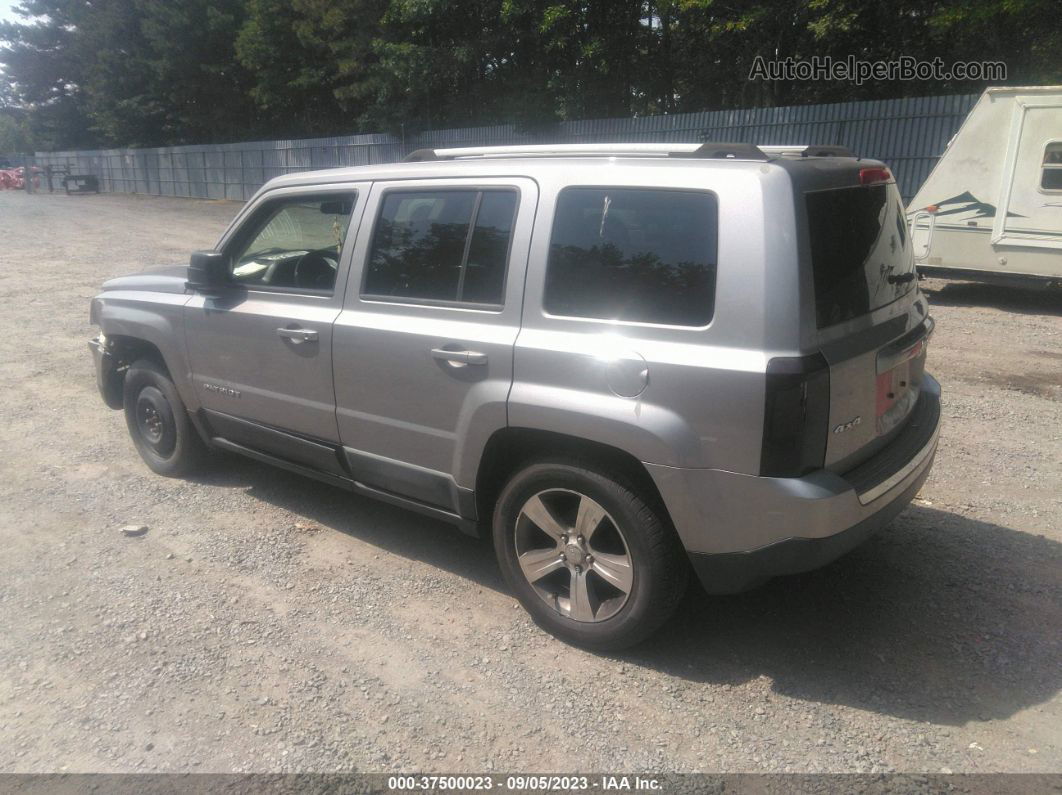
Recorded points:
623,361
15,178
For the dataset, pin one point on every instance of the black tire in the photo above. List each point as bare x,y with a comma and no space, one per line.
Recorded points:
658,564
158,421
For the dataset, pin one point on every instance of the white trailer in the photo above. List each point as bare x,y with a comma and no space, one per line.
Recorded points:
991,209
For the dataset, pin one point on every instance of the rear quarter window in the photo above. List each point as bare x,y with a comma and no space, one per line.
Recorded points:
633,254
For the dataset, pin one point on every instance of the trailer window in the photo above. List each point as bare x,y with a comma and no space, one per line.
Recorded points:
1051,176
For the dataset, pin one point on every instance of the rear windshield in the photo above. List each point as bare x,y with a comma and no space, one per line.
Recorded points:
861,253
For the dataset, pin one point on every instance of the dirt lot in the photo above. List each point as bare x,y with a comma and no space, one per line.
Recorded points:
266,622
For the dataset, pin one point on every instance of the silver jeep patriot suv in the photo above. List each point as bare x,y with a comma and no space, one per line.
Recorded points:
627,360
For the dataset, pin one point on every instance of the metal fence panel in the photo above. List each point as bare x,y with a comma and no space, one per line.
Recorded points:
908,134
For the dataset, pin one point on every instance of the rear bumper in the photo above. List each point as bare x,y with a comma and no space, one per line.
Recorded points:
733,572
741,529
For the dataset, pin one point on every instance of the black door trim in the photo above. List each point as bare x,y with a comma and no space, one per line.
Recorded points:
409,480
408,486
318,455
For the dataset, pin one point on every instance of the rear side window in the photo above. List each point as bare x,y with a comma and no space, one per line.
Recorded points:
647,256
861,255
450,245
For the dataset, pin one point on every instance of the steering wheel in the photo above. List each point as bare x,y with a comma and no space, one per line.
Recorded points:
316,271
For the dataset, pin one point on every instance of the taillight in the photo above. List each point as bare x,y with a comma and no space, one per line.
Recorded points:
875,175
796,416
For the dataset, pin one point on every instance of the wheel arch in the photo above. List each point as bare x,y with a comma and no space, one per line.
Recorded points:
510,447
121,352
151,329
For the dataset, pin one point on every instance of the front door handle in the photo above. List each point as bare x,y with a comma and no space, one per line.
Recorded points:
459,357
297,335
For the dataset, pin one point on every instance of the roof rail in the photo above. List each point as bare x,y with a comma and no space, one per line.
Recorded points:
723,151
734,151
710,150
809,150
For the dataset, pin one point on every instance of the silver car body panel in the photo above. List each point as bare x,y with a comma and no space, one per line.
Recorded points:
240,363
131,307
393,397
720,512
705,385
852,350
380,390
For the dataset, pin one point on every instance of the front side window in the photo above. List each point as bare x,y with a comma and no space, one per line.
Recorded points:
294,242
630,254
1051,175
442,245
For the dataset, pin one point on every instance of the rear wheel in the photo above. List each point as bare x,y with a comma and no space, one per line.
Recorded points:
586,555
158,421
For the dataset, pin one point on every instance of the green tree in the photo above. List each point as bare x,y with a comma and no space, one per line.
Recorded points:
310,61
112,75
195,75
90,72
14,135
38,71
137,72
1025,34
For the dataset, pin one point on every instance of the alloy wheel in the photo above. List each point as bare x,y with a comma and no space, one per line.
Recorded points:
573,554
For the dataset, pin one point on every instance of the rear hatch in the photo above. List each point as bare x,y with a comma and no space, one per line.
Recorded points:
871,323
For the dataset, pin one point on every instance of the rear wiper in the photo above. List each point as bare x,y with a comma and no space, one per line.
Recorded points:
903,278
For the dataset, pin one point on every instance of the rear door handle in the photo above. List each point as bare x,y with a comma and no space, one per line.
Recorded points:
459,357
297,335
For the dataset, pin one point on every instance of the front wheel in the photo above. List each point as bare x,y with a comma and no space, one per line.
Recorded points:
587,555
158,421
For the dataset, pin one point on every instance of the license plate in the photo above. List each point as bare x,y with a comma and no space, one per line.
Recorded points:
895,387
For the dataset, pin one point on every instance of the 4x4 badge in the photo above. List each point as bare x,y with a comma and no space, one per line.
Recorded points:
847,426
222,390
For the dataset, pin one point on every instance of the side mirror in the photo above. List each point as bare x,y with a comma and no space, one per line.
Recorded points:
208,272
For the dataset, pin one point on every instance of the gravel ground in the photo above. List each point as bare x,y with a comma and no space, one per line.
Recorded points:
269,623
